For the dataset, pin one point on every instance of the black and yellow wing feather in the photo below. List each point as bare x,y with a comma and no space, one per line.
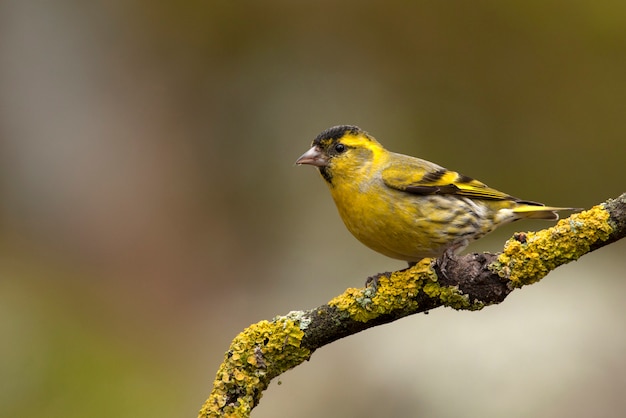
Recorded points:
416,176
420,177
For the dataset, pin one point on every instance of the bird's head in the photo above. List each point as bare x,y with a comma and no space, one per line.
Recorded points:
342,152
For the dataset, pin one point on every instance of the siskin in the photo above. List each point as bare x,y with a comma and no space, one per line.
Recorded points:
407,208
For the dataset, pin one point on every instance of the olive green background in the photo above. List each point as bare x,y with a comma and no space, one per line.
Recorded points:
150,208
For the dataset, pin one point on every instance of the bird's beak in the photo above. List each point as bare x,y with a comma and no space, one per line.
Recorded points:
314,156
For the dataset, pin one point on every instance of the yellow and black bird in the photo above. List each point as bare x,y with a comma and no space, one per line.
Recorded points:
405,207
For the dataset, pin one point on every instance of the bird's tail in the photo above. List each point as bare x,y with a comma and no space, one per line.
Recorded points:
535,211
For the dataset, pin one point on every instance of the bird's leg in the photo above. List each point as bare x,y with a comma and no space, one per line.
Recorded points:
449,255
372,281
442,262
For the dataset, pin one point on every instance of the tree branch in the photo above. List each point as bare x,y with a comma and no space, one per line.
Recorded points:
269,348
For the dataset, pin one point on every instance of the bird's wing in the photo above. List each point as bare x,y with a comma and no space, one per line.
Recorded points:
421,177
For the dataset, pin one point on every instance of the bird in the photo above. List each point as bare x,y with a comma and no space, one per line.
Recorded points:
405,207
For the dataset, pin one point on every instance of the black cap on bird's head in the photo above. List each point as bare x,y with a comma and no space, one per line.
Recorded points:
335,133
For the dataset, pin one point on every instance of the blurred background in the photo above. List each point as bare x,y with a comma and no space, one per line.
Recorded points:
150,208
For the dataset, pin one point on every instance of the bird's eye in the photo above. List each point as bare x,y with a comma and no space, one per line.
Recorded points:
339,148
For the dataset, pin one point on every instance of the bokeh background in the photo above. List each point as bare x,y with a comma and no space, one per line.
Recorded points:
150,208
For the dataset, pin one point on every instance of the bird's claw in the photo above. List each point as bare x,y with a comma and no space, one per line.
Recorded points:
443,261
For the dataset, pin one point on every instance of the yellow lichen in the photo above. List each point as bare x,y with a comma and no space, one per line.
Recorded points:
529,260
398,292
451,296
259,353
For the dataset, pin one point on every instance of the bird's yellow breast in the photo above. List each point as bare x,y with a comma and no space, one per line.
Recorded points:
402,225
386,220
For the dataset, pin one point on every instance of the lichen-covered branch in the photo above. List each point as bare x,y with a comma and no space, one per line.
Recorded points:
269,348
